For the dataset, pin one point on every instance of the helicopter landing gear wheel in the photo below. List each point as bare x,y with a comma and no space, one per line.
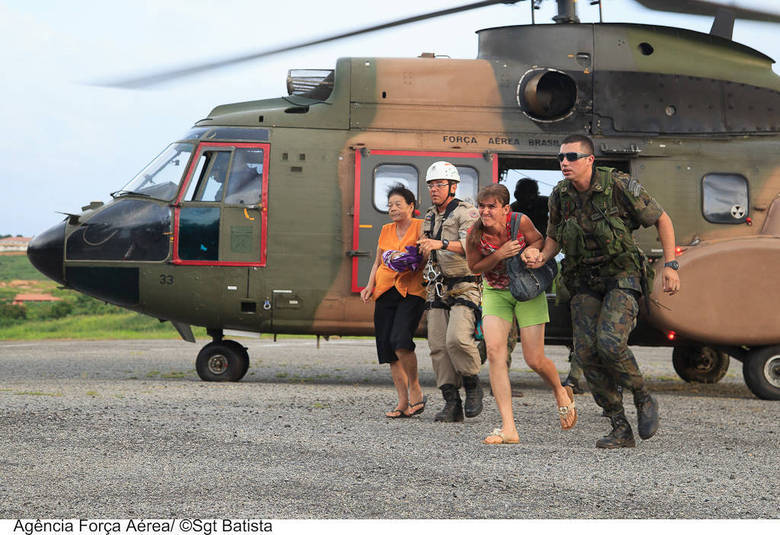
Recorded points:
224,360
761,370
700,364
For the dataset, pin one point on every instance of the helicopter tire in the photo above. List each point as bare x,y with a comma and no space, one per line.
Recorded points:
761,370
243,351
224,360
700,364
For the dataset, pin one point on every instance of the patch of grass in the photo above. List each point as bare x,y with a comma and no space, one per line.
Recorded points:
18,266
92,393
281,375
122,326
175,375
31,393
153,373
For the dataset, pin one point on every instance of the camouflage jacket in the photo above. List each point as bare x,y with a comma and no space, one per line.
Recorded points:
595,246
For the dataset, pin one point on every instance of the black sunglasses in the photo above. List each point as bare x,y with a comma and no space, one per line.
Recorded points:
572,156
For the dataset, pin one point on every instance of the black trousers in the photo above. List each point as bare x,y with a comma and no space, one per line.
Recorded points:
395,320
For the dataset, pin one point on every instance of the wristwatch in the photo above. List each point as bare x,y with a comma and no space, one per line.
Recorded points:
673,264
445,244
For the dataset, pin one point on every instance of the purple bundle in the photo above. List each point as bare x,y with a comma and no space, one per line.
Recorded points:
402,261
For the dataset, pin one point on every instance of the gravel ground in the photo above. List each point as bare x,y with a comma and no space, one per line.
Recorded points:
126,429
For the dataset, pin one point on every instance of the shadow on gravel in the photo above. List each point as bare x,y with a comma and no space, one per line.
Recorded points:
327,377
717,390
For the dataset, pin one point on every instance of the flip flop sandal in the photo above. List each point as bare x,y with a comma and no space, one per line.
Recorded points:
413,405
500,438
391,414
563,412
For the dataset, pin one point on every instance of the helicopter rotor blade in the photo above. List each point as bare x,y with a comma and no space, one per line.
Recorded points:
704,7
149,80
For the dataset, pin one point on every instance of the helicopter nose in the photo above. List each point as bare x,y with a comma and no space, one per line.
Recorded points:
46,252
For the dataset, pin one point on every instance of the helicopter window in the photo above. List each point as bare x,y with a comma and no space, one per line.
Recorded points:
208,179
127,229
160,179
246,177
467,189
725,198
194,133
388,175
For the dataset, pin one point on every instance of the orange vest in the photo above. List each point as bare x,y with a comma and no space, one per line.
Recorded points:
385,278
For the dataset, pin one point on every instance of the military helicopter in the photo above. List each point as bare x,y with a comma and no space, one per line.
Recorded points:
263,217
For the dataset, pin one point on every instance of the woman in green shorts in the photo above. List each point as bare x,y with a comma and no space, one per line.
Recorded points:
489,243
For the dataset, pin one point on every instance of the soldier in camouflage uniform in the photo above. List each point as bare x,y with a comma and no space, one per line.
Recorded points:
453,297
593,213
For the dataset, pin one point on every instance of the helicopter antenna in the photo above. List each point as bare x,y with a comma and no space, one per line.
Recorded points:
535,4
601,15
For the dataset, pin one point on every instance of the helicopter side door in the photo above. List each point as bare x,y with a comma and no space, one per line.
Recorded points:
220,219
221,213
376,171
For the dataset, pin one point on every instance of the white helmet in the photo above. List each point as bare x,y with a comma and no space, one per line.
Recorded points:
442,171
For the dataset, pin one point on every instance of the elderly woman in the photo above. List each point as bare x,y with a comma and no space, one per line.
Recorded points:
395,283
489,243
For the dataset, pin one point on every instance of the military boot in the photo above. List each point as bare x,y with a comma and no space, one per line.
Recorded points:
453,407
576,377
647,414
577,385
621,435
473,405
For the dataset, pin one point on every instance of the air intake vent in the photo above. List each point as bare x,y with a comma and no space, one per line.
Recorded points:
316,84
547,95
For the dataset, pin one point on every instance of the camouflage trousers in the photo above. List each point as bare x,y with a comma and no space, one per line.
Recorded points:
601,326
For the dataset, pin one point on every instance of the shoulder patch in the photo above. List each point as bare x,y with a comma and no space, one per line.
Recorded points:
634,187
628,184
474,213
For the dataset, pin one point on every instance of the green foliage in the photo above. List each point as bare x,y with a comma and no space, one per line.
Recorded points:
124,325
10,314
18,267
86,305
45,311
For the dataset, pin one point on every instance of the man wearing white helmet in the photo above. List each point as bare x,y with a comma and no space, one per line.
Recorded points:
453,295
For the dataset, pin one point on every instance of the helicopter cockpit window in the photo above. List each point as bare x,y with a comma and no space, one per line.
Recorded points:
208,180
246,177
725,198
160,179
468,187
388,175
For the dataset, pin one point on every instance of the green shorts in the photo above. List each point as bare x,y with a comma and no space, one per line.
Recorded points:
501,303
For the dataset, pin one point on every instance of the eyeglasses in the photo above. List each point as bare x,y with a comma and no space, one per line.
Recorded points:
572,156
437,185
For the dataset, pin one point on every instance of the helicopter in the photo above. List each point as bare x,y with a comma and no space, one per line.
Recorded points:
263,216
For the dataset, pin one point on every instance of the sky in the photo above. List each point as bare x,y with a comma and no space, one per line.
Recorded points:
68,142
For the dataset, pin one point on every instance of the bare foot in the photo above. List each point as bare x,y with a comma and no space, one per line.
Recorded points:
398,412
566,409
499,437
